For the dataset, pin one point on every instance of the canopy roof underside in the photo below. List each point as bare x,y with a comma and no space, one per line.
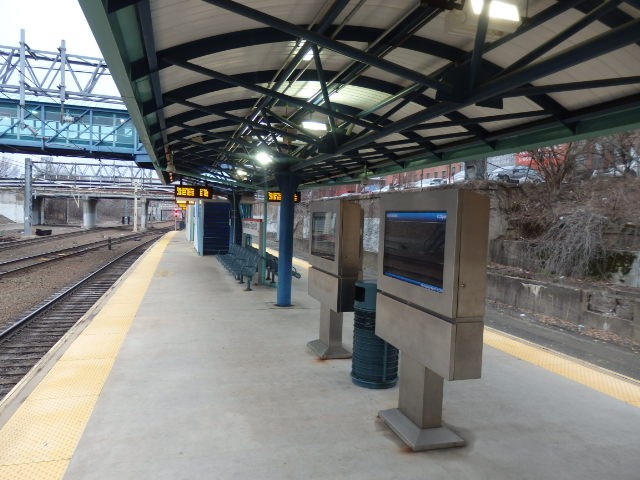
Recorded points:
209,83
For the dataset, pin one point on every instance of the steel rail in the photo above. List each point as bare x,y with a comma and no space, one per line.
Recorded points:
59,296
59,254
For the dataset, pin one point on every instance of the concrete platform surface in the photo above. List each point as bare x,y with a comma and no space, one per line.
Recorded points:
215,382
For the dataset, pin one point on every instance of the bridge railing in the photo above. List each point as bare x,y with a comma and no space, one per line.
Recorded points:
86,129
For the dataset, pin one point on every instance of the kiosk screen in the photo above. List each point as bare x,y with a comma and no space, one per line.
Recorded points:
414,248
323,235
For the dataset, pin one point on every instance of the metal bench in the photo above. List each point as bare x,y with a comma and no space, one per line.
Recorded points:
244,261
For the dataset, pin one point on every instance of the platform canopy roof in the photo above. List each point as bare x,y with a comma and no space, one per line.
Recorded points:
398,85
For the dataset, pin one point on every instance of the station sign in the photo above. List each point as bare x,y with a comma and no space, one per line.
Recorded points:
252,226
183,203
193,191
275,196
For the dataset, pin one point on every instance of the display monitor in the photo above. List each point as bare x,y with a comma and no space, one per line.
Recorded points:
323,235
414,247
432,251
335,240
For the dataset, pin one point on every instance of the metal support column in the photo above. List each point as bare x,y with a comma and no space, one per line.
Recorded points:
23,63
235,232
263,245
28,200
288,182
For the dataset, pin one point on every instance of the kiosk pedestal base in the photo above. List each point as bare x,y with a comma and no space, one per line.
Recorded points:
418,418
325,352
329,345
419,438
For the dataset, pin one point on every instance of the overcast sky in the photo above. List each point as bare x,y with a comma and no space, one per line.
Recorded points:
46,23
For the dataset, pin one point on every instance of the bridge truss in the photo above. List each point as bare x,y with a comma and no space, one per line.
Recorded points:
63,104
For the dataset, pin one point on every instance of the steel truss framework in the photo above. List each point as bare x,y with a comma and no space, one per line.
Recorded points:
109,172
58,103
58,76
382,116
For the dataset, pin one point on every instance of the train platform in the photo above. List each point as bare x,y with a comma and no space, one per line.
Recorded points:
178,373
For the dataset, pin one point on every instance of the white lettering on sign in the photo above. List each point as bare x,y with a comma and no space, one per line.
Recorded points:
252,226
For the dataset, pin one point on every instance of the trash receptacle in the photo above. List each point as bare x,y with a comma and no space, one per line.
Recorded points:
374,361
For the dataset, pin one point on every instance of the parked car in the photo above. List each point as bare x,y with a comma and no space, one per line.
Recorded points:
619,170
427,182
515,174
461,176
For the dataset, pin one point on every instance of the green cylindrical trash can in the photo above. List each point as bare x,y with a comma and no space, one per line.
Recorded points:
374,361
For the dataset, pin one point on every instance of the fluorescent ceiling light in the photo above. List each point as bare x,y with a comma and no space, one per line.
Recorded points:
497,9
240,172
308,56
263,157
311,125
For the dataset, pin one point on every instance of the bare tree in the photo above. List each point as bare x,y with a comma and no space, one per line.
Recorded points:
619,152
556,163
8,169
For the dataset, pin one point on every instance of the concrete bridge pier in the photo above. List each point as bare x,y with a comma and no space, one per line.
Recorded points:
89,208
144,214
38,211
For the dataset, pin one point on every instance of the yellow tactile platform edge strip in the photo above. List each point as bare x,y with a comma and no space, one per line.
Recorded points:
604,381
37,442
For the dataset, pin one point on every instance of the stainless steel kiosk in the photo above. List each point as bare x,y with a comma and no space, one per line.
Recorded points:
430,305
335,254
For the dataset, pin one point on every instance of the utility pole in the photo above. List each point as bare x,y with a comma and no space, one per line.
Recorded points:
28,201
136,184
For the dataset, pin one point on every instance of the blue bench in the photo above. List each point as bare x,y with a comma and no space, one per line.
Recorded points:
272,268
244,261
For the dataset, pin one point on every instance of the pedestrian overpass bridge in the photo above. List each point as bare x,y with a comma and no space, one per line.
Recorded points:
57,103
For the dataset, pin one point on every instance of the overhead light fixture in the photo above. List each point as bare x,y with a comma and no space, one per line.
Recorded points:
498,10
317,126
504,17
240,172
308,56
263,157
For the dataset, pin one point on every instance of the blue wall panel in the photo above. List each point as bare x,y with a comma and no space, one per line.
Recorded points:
216,228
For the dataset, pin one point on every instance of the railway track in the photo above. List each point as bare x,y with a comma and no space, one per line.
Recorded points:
27,340
20,264
41,240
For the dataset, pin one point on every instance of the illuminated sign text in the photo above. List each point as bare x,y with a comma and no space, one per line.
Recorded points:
274,196
193,191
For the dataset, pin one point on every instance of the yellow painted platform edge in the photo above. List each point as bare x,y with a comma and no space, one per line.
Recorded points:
85,416
564,355
615,378
20,392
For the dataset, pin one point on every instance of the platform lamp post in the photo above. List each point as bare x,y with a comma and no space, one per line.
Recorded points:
264,158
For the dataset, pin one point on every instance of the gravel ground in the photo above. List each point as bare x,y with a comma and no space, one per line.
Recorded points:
53,244
25,291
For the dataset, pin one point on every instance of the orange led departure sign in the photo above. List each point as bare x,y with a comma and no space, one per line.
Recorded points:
274,196
193,191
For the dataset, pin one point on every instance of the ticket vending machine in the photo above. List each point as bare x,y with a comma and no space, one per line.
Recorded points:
335,255
430,303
